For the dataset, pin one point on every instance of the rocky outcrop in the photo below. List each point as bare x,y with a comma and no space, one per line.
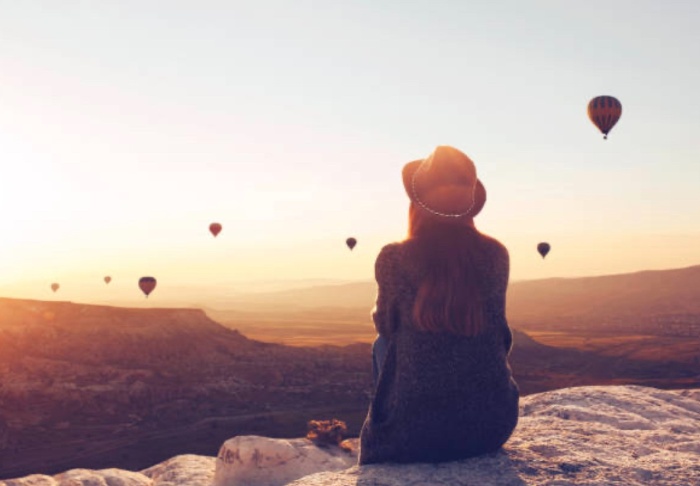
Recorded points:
627,435
252,460
186,470
86,386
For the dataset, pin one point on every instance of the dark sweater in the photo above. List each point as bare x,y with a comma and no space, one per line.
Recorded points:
440,396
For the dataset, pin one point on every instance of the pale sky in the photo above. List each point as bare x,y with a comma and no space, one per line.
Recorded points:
126,127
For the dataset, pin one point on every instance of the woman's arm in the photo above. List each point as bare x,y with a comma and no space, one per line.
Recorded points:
384,312
502,275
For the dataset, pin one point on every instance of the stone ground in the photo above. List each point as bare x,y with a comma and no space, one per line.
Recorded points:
626,435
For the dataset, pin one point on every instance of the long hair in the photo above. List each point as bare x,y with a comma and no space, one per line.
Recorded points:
450,296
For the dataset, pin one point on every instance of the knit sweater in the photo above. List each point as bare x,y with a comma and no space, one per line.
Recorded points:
440,396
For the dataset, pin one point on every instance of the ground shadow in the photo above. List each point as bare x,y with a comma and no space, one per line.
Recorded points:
498,468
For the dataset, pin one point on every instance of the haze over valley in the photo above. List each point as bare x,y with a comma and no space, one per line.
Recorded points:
100,386
653,302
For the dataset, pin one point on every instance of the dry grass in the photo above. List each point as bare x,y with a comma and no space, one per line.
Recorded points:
327,432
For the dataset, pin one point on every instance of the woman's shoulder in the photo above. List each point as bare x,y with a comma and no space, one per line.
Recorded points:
495,249
388,256
392,248
390,251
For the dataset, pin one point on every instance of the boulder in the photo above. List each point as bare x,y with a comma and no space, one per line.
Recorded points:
187,469
261,461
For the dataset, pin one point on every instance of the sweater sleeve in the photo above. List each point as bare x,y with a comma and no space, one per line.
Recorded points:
502,275
384,312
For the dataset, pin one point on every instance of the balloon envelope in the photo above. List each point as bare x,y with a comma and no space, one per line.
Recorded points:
351,242
215,229
543,248
604,112
147,284
54,287
108,279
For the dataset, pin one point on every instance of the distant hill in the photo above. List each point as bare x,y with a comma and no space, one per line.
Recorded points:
342,295
625,299
137,337
659,303
653,292
82,382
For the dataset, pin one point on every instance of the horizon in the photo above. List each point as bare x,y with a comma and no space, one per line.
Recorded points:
127,129
194,297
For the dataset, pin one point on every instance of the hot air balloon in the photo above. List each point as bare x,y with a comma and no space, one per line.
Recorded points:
108,279
55,287
543,248
215,229
351,242
604,111
147,284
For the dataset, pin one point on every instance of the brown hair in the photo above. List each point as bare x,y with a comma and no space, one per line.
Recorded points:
449,298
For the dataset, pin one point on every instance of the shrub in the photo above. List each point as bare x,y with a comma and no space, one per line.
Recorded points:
326,432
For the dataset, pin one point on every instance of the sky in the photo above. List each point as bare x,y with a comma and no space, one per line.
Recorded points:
127,127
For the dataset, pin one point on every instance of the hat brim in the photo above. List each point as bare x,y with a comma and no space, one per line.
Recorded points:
411,168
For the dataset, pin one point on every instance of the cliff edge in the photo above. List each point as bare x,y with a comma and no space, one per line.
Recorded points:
594,435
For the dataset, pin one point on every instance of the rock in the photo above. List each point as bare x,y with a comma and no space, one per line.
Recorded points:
84,477
595,435
104,477
260,461
188,469
33,480
185,470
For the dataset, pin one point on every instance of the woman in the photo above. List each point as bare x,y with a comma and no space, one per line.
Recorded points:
444,389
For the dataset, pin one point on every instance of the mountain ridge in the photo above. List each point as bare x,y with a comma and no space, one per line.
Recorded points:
649,301
361,292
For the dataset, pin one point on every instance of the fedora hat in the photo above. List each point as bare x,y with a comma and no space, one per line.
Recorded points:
445,184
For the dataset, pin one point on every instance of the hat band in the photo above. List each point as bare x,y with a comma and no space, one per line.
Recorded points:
433,211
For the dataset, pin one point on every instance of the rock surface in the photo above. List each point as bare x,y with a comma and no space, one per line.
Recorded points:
252,460
626,435
189,470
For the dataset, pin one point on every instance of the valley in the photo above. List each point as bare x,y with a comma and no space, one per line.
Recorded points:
100,386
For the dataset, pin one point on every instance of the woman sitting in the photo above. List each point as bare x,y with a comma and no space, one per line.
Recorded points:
443,386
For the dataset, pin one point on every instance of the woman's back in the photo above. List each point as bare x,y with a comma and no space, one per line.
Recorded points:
440,396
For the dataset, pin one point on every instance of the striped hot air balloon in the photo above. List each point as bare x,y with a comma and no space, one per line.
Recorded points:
604,112
147,284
